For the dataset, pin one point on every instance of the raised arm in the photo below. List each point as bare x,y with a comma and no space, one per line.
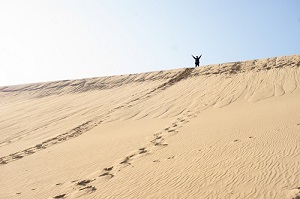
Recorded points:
193,57
200,56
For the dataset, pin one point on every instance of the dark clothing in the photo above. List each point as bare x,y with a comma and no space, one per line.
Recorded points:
197,60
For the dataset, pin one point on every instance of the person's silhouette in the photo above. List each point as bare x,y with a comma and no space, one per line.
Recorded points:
197,60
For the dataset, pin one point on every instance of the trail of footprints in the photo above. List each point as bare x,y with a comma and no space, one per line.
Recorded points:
158,141
58,139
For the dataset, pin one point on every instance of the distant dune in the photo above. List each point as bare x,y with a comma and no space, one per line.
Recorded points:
220,131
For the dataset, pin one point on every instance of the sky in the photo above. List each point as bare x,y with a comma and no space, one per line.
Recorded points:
50,40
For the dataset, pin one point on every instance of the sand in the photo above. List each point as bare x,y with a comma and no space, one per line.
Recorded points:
220,131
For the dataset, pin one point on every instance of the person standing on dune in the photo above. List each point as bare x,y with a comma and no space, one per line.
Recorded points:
197,60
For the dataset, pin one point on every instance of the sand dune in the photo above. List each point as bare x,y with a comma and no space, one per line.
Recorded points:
220,131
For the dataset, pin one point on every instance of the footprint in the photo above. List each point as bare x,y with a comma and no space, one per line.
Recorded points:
160,144
107,174
171,130
89,188
28,152
84,182
17,157
171,157
126,160
108,168
40,146
3,162
59,196
143,150
156,134
158,141
158,137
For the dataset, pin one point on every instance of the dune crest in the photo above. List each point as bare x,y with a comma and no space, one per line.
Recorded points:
219,131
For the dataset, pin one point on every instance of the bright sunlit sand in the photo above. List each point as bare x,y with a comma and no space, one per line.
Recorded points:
220,131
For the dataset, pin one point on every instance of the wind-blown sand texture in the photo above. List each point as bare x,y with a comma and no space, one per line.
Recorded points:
220,131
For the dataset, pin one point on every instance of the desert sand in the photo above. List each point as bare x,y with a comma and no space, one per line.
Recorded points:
230,130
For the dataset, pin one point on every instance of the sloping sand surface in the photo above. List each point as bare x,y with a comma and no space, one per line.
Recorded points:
220,131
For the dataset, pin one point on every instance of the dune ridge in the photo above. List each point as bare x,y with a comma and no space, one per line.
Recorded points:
168,109
88,84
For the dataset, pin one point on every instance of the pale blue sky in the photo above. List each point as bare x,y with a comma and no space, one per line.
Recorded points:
47,40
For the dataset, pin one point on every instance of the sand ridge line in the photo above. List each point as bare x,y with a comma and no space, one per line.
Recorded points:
39,90
84,127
